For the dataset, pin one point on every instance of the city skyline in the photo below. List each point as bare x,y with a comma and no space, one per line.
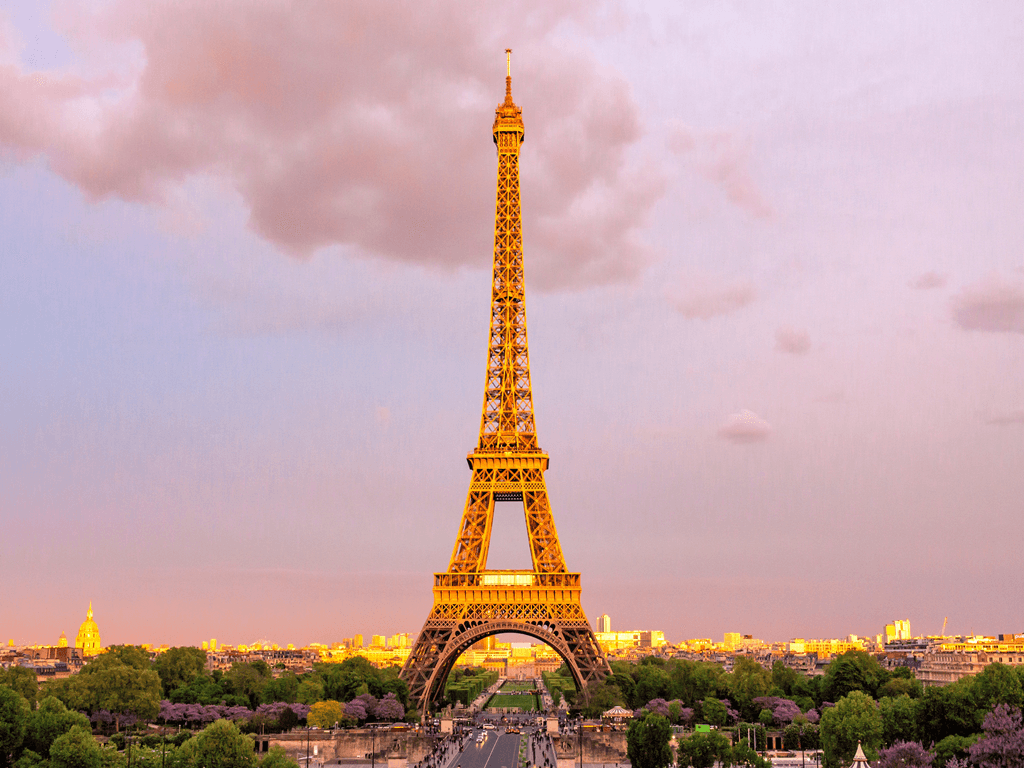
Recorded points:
776,301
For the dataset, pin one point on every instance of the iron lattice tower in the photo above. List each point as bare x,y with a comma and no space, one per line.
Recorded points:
470,601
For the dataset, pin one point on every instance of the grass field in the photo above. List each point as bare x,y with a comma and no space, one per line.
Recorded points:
512,685
524,702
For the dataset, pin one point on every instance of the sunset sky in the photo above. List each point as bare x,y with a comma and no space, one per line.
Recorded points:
775,269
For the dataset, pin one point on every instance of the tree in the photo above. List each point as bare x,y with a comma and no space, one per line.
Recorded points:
701,750
652,682
853,671
129,655
748,681
219,745
953,747
14,714
247,678
22,680
948,710
120,689
1002,746
713,712
998,684
742,754
389,708
178,667
901,686
899,720
324,714
49,722
277,758
76,749
904,754
647,742
855,718
598,697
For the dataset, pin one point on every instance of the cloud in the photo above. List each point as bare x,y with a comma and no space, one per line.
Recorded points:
723,159
745,427
928,280
793,341
361,124
700,297
1006,419
992,305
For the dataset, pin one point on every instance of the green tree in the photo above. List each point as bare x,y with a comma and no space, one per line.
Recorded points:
598,697
129,655
855,718
800,735
219,745
701,750
50,721
949,710
742,754
747,681
652,682
14,714
311,690
647,742
953,746
121,689
178,667
23,681
76,749
899,719
248,678
285,687
998,684
713,712
853,671
324,714
277,758
901,686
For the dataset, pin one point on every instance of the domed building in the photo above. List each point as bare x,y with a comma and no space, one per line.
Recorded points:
88,635
63,641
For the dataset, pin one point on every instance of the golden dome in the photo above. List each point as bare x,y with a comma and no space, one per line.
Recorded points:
63,642
88,635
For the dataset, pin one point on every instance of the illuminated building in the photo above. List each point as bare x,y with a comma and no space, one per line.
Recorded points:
604,623
88,640
898,630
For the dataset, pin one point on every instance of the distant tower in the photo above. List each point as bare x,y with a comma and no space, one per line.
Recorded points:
89,635
63,641
604,623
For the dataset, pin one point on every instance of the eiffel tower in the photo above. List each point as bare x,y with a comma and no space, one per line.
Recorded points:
470,601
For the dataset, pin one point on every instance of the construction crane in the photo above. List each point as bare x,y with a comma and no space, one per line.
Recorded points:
944,620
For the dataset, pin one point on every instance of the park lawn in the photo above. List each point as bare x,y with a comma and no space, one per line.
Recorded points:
525,703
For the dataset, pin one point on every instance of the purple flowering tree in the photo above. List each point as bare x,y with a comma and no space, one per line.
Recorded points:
389,708
356,710
1002,746
905,754
658,707
812,716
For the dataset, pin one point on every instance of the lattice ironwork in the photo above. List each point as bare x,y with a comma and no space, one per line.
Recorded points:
470,602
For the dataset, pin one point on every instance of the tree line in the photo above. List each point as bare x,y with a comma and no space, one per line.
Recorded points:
855,701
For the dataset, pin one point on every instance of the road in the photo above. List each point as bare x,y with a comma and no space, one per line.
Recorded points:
498,750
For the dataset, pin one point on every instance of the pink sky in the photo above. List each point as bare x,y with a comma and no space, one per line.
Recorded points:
776,311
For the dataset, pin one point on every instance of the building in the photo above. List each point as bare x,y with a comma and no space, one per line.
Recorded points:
951,661
604,623
88,639
898,630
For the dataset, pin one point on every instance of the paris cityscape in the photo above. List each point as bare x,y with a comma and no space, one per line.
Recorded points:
771,412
